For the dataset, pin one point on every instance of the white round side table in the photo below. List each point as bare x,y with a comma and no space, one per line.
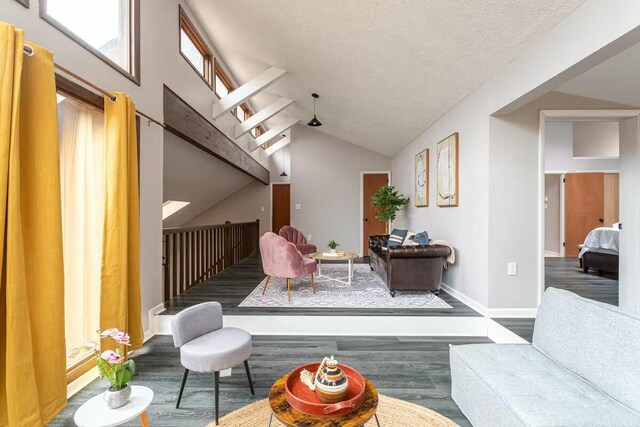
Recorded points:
94,413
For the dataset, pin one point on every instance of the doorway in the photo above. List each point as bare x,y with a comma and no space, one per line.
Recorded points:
371,182
280,206
620,203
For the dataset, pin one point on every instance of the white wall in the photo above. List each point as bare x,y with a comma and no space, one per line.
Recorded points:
325,181
558,153
596,140
245,205
160,63
513,207
493,225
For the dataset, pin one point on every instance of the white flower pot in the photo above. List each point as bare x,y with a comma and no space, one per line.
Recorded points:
116,398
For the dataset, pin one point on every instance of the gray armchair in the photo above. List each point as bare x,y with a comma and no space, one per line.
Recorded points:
206,346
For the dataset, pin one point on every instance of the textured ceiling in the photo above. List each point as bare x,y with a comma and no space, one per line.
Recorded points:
616,79
385,69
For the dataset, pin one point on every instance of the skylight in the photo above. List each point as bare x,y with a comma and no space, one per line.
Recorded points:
172,206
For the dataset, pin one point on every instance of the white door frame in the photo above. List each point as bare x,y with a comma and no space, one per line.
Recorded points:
561,202
563,115
362,174
271,202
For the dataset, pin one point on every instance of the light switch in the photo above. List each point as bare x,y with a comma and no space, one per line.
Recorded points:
308,237
262,209
512,269
298,206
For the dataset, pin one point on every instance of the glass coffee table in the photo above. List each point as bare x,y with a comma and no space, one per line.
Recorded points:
340,256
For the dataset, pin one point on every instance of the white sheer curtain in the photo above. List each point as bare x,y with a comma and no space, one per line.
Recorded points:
81,131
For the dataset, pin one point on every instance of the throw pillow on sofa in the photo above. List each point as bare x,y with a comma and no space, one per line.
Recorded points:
397,237
408,240
421,238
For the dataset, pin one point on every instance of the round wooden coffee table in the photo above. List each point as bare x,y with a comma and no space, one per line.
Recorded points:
343,256
291,417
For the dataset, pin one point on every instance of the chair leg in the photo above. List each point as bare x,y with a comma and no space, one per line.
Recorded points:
289,289
184,381
313,282
246,367
217,381
266,284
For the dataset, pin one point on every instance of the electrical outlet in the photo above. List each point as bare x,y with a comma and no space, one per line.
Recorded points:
308,237
262,209
512,269
298,206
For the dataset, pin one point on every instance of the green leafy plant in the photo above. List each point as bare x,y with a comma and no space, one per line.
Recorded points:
113,365
332,244
388,202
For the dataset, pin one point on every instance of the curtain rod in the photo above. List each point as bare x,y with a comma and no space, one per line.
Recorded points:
28,50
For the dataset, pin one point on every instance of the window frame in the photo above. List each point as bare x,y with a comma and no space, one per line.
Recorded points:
134,40
184,23
224,78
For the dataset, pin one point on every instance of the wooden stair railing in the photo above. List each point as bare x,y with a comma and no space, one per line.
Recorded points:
192,255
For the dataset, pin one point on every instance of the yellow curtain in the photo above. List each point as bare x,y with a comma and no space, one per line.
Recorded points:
32,345
120,287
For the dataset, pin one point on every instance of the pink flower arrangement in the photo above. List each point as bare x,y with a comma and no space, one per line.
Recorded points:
114,364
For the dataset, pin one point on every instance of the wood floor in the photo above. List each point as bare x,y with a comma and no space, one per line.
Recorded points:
412,369
233,285
565,273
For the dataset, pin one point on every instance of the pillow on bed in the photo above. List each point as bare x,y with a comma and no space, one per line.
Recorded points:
397,237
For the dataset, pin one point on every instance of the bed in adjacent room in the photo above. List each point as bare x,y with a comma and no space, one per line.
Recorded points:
600,250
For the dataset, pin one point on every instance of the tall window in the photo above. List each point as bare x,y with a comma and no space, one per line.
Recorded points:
107,28
81,135
194,49
223,85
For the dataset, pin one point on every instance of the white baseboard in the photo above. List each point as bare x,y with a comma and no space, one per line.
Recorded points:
501,335
551,254
524,313
464,299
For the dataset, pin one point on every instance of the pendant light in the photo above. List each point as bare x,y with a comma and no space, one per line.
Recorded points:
283,172
314,122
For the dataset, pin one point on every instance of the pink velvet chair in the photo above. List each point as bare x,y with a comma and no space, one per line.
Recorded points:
297,238
281,259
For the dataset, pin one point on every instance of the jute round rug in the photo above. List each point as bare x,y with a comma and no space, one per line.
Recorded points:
391,413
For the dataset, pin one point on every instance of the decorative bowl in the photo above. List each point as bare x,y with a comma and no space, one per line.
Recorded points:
301,398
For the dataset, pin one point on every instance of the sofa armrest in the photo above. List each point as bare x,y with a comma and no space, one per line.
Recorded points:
422,251
378,241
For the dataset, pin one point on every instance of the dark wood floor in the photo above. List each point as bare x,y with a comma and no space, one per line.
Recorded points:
565,273
412,369
233,285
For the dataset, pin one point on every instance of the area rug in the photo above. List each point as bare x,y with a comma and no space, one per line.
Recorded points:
367,290
391,412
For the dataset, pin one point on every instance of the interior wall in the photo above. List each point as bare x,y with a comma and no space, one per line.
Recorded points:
161,63
558,153
513,207
245,205
552,238
596,139
325,182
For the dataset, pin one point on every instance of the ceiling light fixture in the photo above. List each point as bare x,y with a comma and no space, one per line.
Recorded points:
314,122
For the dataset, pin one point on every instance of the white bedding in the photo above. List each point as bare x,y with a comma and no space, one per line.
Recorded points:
603,239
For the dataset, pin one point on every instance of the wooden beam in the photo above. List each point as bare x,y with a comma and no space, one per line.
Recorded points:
246,91
278,145
183,121
273,133
262,115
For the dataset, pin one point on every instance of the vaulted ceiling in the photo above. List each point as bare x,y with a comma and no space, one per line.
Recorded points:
385,69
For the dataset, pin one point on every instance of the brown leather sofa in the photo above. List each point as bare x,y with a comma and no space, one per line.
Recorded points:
407,268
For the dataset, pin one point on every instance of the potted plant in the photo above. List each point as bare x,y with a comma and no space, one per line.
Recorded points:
388,202
333,245
116,368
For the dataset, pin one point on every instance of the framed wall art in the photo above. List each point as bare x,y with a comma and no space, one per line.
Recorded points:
422,178
447,163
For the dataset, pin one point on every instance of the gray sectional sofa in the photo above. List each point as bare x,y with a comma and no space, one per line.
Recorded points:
582,369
